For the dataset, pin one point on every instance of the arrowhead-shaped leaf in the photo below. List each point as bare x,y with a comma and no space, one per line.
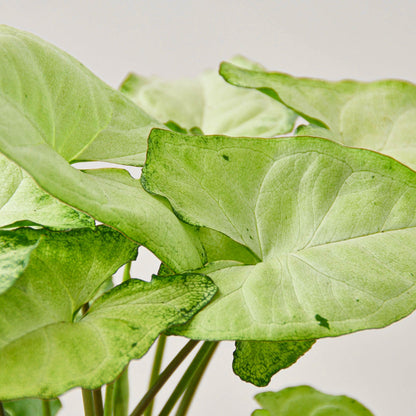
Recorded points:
22,202
46,347
211,104
306,401
334,229
55,112
257,361
378,115
47,98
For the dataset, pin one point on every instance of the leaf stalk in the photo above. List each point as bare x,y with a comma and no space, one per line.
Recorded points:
46,408
163,377
200,359
195,380
157,363
88,402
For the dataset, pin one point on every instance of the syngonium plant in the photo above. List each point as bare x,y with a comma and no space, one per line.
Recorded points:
270,241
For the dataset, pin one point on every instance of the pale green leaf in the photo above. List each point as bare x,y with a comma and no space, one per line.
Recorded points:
377,115
334,229
211,104
22,202
47,98
47,347
257,361
306,401
53,112
220,247
30,407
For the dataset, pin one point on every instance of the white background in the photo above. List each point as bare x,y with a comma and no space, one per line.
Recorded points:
365,40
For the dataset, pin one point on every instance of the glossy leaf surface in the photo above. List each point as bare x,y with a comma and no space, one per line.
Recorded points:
46,347
211,104
257,361
334,228
306,401
378,115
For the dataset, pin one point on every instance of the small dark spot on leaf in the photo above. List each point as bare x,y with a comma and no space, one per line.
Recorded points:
134,344
25,95
372,176
251,238
322,321
412,274
227,158
357,300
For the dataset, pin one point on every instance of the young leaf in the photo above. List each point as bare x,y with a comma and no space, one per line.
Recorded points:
211,104
30,407
306,401
378,115
257,361
22,202
334,228
48,99
46,348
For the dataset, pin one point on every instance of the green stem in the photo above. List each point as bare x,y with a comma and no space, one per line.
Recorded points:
163,377
121,394
88,402
116,399
109,399
98,402
2,412
126,272
198,361
157,362
194,382
46,408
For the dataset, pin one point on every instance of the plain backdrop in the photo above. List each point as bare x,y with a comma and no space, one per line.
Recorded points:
364,40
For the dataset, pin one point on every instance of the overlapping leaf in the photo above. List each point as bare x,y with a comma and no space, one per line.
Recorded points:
54,111
30,407
378,115
22,202
334,227
46,348
257,361
211,104
306,401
